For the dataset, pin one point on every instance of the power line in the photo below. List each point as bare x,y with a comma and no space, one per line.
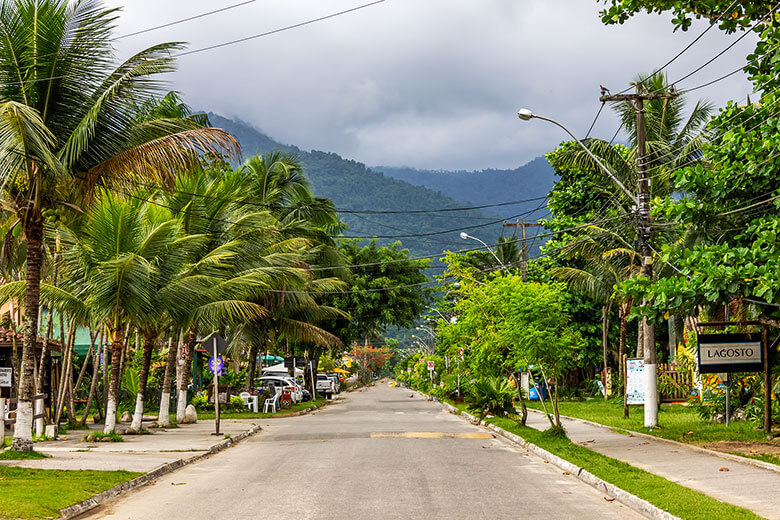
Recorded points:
190,18
276,31
219,45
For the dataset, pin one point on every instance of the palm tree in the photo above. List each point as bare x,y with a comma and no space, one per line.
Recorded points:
66,120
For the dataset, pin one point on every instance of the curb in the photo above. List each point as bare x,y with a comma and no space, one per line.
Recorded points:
639,505
728,456
101,498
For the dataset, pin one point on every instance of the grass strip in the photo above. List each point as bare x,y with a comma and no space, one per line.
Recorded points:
296,408
22,455
674,498
37,493
678,422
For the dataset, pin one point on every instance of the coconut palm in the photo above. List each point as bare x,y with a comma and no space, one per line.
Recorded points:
67,124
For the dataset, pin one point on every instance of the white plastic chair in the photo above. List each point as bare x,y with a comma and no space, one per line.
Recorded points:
250,401
273,402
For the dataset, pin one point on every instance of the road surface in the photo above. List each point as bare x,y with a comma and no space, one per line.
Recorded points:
378,453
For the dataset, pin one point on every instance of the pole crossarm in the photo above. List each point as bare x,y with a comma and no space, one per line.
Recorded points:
633,97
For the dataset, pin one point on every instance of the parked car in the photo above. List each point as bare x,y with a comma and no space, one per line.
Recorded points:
279,383
325,385
336,381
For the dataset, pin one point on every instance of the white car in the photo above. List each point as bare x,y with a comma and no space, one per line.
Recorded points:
281,382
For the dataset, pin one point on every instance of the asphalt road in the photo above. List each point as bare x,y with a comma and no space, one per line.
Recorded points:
378,453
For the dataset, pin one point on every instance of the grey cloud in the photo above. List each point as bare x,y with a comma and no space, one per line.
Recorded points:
425,83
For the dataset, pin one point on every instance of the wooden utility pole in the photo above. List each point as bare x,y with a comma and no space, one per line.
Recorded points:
524,259
644,231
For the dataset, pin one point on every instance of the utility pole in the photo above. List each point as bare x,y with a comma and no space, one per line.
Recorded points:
645,248
523,224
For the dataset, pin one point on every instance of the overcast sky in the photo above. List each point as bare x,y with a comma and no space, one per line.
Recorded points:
423,83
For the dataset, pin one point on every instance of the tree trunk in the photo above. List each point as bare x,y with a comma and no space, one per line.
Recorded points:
186,373
92,339
604,334
117,342
523,407
640,341
95,376
163,418
143,377
33,231
622,344
250,371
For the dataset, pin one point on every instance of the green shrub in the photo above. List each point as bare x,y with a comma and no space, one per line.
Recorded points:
492,395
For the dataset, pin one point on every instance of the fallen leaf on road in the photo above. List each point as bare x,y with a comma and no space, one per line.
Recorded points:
723,469
609,499
646,442
547,462
566,473
178,483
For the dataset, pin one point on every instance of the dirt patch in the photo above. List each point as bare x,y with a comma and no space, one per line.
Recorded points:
747,448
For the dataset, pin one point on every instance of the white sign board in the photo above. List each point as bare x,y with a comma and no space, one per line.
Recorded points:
5,377
720,353
635,381
431,365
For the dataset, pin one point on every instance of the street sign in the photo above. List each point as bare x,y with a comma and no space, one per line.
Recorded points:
216,365
286,400
291,362
460,353
431,365
6,374
724,353
221,344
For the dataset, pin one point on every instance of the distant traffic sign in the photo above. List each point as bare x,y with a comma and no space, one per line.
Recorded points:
221,344
431,365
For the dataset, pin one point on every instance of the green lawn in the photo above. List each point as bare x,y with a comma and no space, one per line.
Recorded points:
674,498
298,407
677,422
35,493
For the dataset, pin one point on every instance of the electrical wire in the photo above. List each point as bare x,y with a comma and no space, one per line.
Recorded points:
190,18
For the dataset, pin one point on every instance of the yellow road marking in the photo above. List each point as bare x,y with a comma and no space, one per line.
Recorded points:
430,435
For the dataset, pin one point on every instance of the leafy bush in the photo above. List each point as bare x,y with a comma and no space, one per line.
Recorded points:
492,395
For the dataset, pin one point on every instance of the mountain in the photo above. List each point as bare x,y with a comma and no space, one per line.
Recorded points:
530,181
353,186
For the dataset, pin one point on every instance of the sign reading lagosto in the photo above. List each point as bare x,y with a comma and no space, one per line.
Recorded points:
730,353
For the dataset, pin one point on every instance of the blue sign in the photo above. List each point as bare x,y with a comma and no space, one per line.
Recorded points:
217,365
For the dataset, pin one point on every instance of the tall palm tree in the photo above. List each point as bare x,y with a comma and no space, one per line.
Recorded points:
66,120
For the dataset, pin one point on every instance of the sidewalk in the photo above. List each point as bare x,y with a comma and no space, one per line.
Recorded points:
140,453
741,484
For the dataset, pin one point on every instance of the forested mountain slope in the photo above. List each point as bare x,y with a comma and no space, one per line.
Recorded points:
353,186
532,180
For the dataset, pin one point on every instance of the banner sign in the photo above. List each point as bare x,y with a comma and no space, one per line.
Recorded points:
635,381
725,353
5,378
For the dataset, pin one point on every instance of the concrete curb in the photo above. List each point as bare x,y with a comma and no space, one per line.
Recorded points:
728,456
101,498
639,505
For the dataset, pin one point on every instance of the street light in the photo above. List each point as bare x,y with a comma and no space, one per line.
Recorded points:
643,211
527,115
466,236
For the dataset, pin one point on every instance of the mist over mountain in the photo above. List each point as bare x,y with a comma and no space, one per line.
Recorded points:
353,186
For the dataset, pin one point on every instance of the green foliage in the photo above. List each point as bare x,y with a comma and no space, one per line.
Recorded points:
99,436
22,455
374,309
493,396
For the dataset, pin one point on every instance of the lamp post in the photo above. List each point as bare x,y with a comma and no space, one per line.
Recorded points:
466,236
642,207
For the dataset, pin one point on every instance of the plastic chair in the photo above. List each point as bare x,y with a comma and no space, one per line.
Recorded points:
273,402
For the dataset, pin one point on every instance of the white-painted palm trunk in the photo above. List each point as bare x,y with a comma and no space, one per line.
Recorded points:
23,438
110,415
181,405
651,395
138,414
163,419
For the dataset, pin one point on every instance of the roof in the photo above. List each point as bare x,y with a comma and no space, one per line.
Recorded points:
7,340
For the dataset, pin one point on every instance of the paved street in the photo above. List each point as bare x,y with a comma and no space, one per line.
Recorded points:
375,454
